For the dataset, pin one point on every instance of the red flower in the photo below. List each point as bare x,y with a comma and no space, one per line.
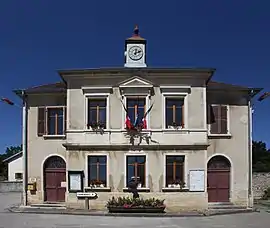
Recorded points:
127,205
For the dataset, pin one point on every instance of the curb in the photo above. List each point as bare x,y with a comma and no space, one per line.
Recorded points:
86,213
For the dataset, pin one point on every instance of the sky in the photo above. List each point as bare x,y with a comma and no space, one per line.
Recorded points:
37,38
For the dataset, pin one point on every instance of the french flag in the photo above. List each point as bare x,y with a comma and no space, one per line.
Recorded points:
144,123
128,123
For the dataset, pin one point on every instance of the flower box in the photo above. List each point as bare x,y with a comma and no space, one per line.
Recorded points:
135,205
122,209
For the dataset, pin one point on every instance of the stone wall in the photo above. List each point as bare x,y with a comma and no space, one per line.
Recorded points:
261,181
11,186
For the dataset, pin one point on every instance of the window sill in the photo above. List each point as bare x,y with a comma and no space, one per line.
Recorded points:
224,136
138,189
97,189
175,189
95,131
180,130
54,136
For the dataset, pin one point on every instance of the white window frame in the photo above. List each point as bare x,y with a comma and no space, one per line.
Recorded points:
96,96
147,105
185,168
146,168
175,95
88,154
47,122
228,122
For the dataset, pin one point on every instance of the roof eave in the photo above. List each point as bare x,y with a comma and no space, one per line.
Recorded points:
19,154
124,70
251,91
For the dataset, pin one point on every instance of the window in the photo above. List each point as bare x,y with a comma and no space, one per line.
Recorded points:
55,120
51,121
136,168
97,171
174,112
97,109
174,169
18,176
220,123
136,108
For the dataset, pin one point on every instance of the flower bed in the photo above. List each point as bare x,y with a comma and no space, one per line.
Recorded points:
139,205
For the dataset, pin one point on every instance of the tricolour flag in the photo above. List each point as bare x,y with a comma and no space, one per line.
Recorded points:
265,95
144,121
128,123
6,100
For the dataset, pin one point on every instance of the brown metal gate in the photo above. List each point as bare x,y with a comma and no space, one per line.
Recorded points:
54,175
218,179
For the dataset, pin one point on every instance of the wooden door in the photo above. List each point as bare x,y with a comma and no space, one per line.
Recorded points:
218,179
54,175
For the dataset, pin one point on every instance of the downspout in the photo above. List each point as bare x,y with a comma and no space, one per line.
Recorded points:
250,198
25,147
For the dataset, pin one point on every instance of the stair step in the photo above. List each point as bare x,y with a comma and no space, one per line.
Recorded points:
48,205
228,211
221,203
226,207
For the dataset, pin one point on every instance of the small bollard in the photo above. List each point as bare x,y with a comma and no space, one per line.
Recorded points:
87,196
86,203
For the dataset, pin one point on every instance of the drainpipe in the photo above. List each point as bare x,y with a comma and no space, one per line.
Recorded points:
250,200
25,148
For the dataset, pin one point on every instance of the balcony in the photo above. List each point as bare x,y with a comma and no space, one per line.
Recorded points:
147,138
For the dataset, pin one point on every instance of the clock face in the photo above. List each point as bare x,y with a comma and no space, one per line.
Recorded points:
135,53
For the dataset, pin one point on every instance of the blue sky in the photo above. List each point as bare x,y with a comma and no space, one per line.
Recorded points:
39,37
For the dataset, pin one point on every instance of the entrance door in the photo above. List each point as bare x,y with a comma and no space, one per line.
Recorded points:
54,174
218,179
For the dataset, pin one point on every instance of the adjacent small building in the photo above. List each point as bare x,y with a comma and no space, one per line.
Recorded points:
184,136
15,167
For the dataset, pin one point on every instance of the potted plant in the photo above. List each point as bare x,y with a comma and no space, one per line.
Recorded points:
96,125
178,184
96,184
135,205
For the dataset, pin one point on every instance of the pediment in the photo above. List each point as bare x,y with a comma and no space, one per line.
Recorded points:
135,82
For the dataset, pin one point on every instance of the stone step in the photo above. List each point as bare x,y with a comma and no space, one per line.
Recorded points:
225,207
228,211
48,205
221,203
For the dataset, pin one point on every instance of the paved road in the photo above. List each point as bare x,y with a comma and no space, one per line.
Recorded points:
11,220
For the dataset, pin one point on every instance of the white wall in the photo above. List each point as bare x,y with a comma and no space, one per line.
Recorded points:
15,166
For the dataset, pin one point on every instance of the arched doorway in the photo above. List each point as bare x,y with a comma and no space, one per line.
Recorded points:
218,179
54,175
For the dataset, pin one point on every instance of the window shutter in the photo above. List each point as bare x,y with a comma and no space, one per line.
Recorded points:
210,114
223,120
41,121
65,119
215,126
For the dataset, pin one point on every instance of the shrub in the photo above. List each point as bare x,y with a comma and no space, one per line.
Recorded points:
138,202
266,194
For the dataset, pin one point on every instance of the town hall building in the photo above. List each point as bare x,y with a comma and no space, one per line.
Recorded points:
185,137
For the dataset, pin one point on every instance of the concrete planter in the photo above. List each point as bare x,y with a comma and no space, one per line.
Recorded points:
121,209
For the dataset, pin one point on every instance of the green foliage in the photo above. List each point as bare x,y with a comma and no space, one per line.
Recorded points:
260,157
9,152
266,194
139,202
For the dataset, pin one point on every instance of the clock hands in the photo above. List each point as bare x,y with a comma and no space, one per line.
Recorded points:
136,51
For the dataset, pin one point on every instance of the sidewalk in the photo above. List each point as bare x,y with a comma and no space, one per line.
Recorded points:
67,211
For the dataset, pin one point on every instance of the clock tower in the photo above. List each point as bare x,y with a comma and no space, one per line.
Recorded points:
135,50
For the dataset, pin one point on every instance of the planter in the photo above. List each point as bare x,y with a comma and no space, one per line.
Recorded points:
121,209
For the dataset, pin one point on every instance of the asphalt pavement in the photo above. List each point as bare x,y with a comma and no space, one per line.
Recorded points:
16,220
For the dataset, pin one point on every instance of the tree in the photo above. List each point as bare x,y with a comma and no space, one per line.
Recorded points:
9,152
260,157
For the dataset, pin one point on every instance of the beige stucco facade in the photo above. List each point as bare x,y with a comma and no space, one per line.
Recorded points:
193,141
